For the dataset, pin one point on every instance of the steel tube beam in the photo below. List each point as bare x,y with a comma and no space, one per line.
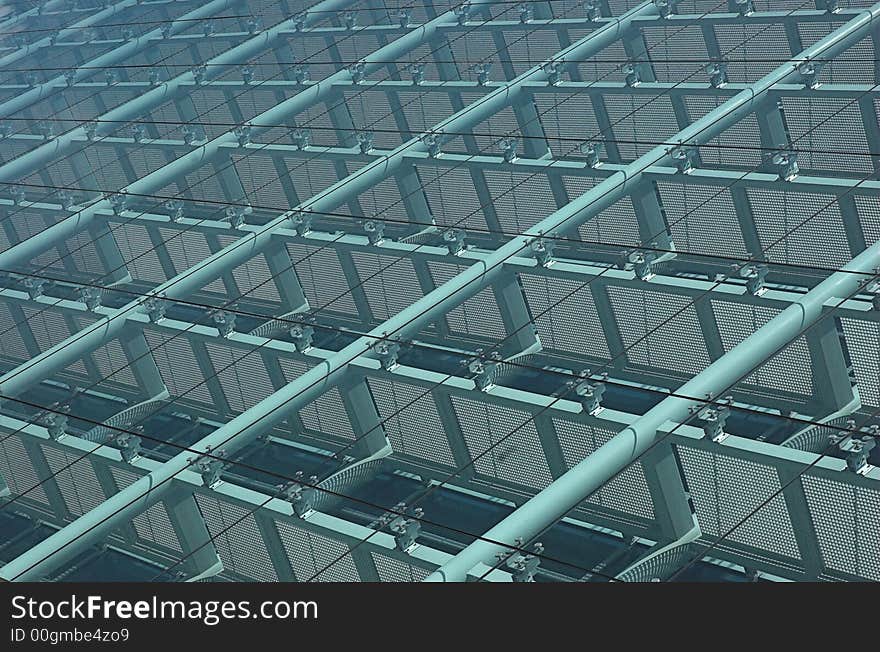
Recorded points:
111,58
158,95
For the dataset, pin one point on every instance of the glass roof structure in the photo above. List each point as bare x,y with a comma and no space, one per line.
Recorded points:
404,290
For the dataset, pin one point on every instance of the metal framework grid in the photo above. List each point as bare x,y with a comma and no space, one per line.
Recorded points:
387,291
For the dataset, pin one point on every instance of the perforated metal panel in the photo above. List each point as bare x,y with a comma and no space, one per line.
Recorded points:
566,316
863,344
316,558
326,414
411,421
729,495
19,472
659,330
479,315
237,539
394,570
322,279
242,375
503,443
847,521
782,371
76,480
390,284
179,368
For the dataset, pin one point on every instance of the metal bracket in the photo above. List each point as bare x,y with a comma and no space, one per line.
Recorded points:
386,351
591,152
481,70
90,296
522,566
589,392
224,321
375,231
210,468
754,276
129,446
454,239
155,308
542,250
712,419
243,134
302,335
485,372
717,71
300,496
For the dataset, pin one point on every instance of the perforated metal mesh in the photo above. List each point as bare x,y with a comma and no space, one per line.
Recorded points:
847,521
503,443
411,421
235,534
316,558
394,570
726,490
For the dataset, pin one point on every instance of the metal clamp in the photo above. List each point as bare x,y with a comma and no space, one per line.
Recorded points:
300,496
357,72
386,351
55,423
243,134
592,10
589,392
375,231
684,158
302,336
129,445
432,142
754,276
717,71
454,239
90,296
301,222
223,321
301,75
591,152
508,149
642,263
554,70
417,70
522,566
712,419
175,209
301,138
481,70
365,141
350,19
785,164
631,75
210,468
406,530
403,17
155,308
542,251
484,372
235,215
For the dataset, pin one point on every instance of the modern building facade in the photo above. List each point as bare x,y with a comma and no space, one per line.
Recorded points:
400,291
